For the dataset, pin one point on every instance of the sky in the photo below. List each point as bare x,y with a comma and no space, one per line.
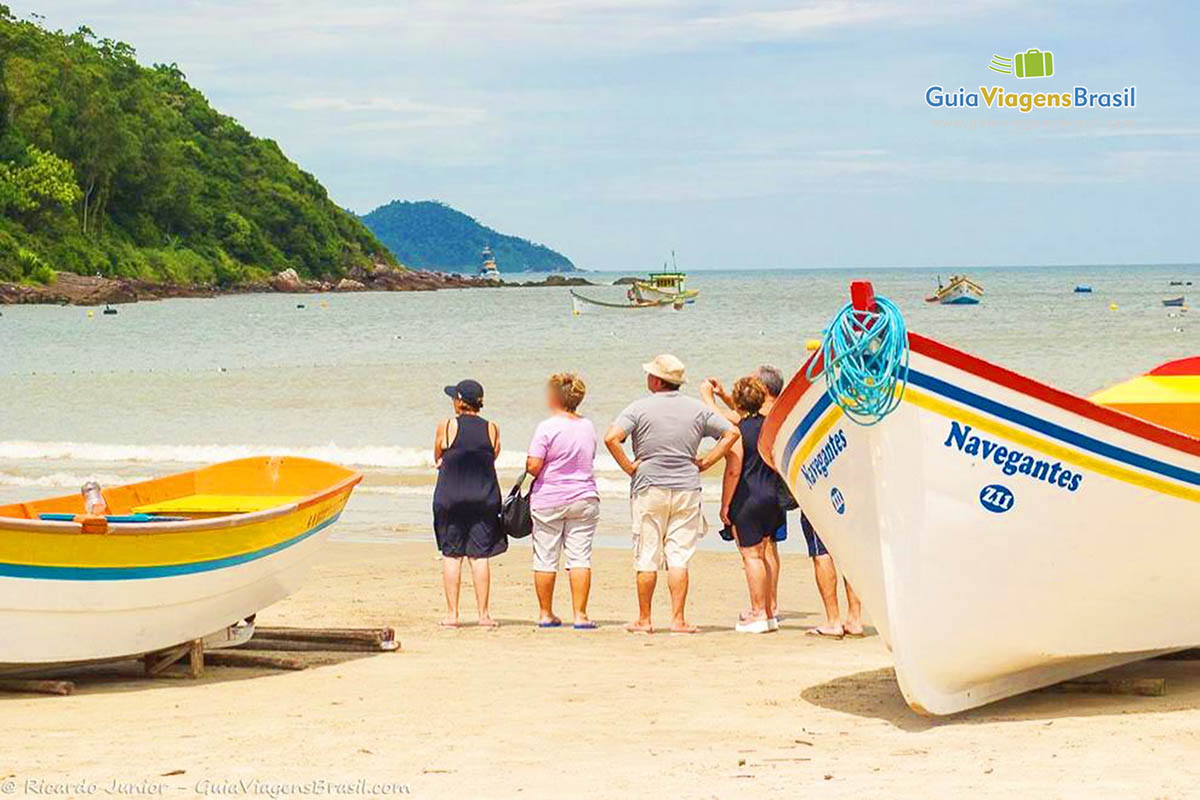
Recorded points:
739,133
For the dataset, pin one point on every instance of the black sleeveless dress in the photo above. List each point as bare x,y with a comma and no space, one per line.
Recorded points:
755,509
466,501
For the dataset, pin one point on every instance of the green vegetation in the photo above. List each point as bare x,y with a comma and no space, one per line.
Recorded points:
110,167
431,235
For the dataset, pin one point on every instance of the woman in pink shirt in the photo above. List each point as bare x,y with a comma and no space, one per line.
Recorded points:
564,500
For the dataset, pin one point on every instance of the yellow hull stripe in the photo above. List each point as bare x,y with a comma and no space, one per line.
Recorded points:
808,445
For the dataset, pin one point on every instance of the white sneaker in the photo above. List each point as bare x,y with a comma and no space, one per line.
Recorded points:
754,626
773,623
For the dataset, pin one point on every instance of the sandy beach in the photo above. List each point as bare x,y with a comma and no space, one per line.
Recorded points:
522,712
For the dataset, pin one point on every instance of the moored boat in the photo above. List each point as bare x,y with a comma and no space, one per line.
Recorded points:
174,559
995,527
960,291
661,290
1174,302
489,269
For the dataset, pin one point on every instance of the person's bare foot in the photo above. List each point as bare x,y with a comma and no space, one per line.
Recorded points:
826,632
641,626
683,626
551,621
448,623
854,630
488,622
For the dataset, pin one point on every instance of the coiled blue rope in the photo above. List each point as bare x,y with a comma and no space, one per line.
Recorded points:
864,360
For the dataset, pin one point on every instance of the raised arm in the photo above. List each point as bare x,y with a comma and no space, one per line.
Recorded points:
709,391
614,440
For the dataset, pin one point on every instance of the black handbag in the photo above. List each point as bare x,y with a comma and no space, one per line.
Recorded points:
786,501
516,519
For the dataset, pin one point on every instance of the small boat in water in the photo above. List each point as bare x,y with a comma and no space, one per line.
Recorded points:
1174,302
489,269
661,290
579,302
961,291
174,559
985,520
1082,289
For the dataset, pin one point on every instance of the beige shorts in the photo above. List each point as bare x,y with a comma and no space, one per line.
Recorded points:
667,525
568,529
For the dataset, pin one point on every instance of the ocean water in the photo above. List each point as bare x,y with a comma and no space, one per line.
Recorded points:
357,378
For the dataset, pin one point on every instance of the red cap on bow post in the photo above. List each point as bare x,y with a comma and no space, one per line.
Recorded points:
862,296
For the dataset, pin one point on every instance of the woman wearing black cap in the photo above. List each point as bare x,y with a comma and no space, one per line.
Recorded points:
466,502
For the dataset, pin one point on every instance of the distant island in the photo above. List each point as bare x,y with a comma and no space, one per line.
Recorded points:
112,169
431,235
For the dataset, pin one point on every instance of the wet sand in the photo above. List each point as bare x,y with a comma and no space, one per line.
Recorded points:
522,712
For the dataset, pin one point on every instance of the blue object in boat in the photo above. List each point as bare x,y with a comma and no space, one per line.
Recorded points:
1083,290
113,518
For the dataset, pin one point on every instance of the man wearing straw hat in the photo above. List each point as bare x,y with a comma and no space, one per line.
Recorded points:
666,428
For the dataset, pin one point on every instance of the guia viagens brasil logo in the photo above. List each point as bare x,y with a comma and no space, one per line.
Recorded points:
1033,63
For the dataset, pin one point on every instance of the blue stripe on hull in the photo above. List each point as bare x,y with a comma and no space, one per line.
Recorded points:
962,301
39,572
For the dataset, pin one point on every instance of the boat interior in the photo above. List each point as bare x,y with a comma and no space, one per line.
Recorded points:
233,487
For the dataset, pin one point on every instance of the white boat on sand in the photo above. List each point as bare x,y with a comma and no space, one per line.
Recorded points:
1002,534
175,558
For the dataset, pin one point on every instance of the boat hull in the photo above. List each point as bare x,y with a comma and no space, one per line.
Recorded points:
989,574
960,292
69,596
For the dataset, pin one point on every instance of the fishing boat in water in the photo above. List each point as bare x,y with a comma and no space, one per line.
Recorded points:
172,560
489,269
579,302
660,290
985,518
1174,302
960,291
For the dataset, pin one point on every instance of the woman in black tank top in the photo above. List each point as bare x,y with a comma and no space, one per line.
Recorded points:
750,505
466,501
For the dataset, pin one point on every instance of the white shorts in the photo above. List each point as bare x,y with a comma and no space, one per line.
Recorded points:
667,525
567,528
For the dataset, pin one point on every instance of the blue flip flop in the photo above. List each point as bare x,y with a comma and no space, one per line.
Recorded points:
556,623
585,626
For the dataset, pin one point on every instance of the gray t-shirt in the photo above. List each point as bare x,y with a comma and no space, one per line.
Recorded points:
666,428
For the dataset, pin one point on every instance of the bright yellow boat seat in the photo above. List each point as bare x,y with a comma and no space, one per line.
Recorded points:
213,504
1168,396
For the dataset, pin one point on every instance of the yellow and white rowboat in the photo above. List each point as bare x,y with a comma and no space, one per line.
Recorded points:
237,537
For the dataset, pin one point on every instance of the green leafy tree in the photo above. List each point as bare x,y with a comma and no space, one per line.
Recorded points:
112,167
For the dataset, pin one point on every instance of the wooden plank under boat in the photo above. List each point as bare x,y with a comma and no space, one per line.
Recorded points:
1003,535
242,536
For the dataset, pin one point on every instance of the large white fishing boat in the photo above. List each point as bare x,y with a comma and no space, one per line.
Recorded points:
1003,535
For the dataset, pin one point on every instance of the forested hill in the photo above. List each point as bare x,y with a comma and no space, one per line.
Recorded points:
431,235
111,167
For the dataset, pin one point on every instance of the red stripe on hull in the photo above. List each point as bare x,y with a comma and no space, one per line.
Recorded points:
958,359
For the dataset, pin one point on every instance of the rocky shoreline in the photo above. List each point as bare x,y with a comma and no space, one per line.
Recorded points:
83,290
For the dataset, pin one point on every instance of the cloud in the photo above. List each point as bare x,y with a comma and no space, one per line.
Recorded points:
399,112
805,19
